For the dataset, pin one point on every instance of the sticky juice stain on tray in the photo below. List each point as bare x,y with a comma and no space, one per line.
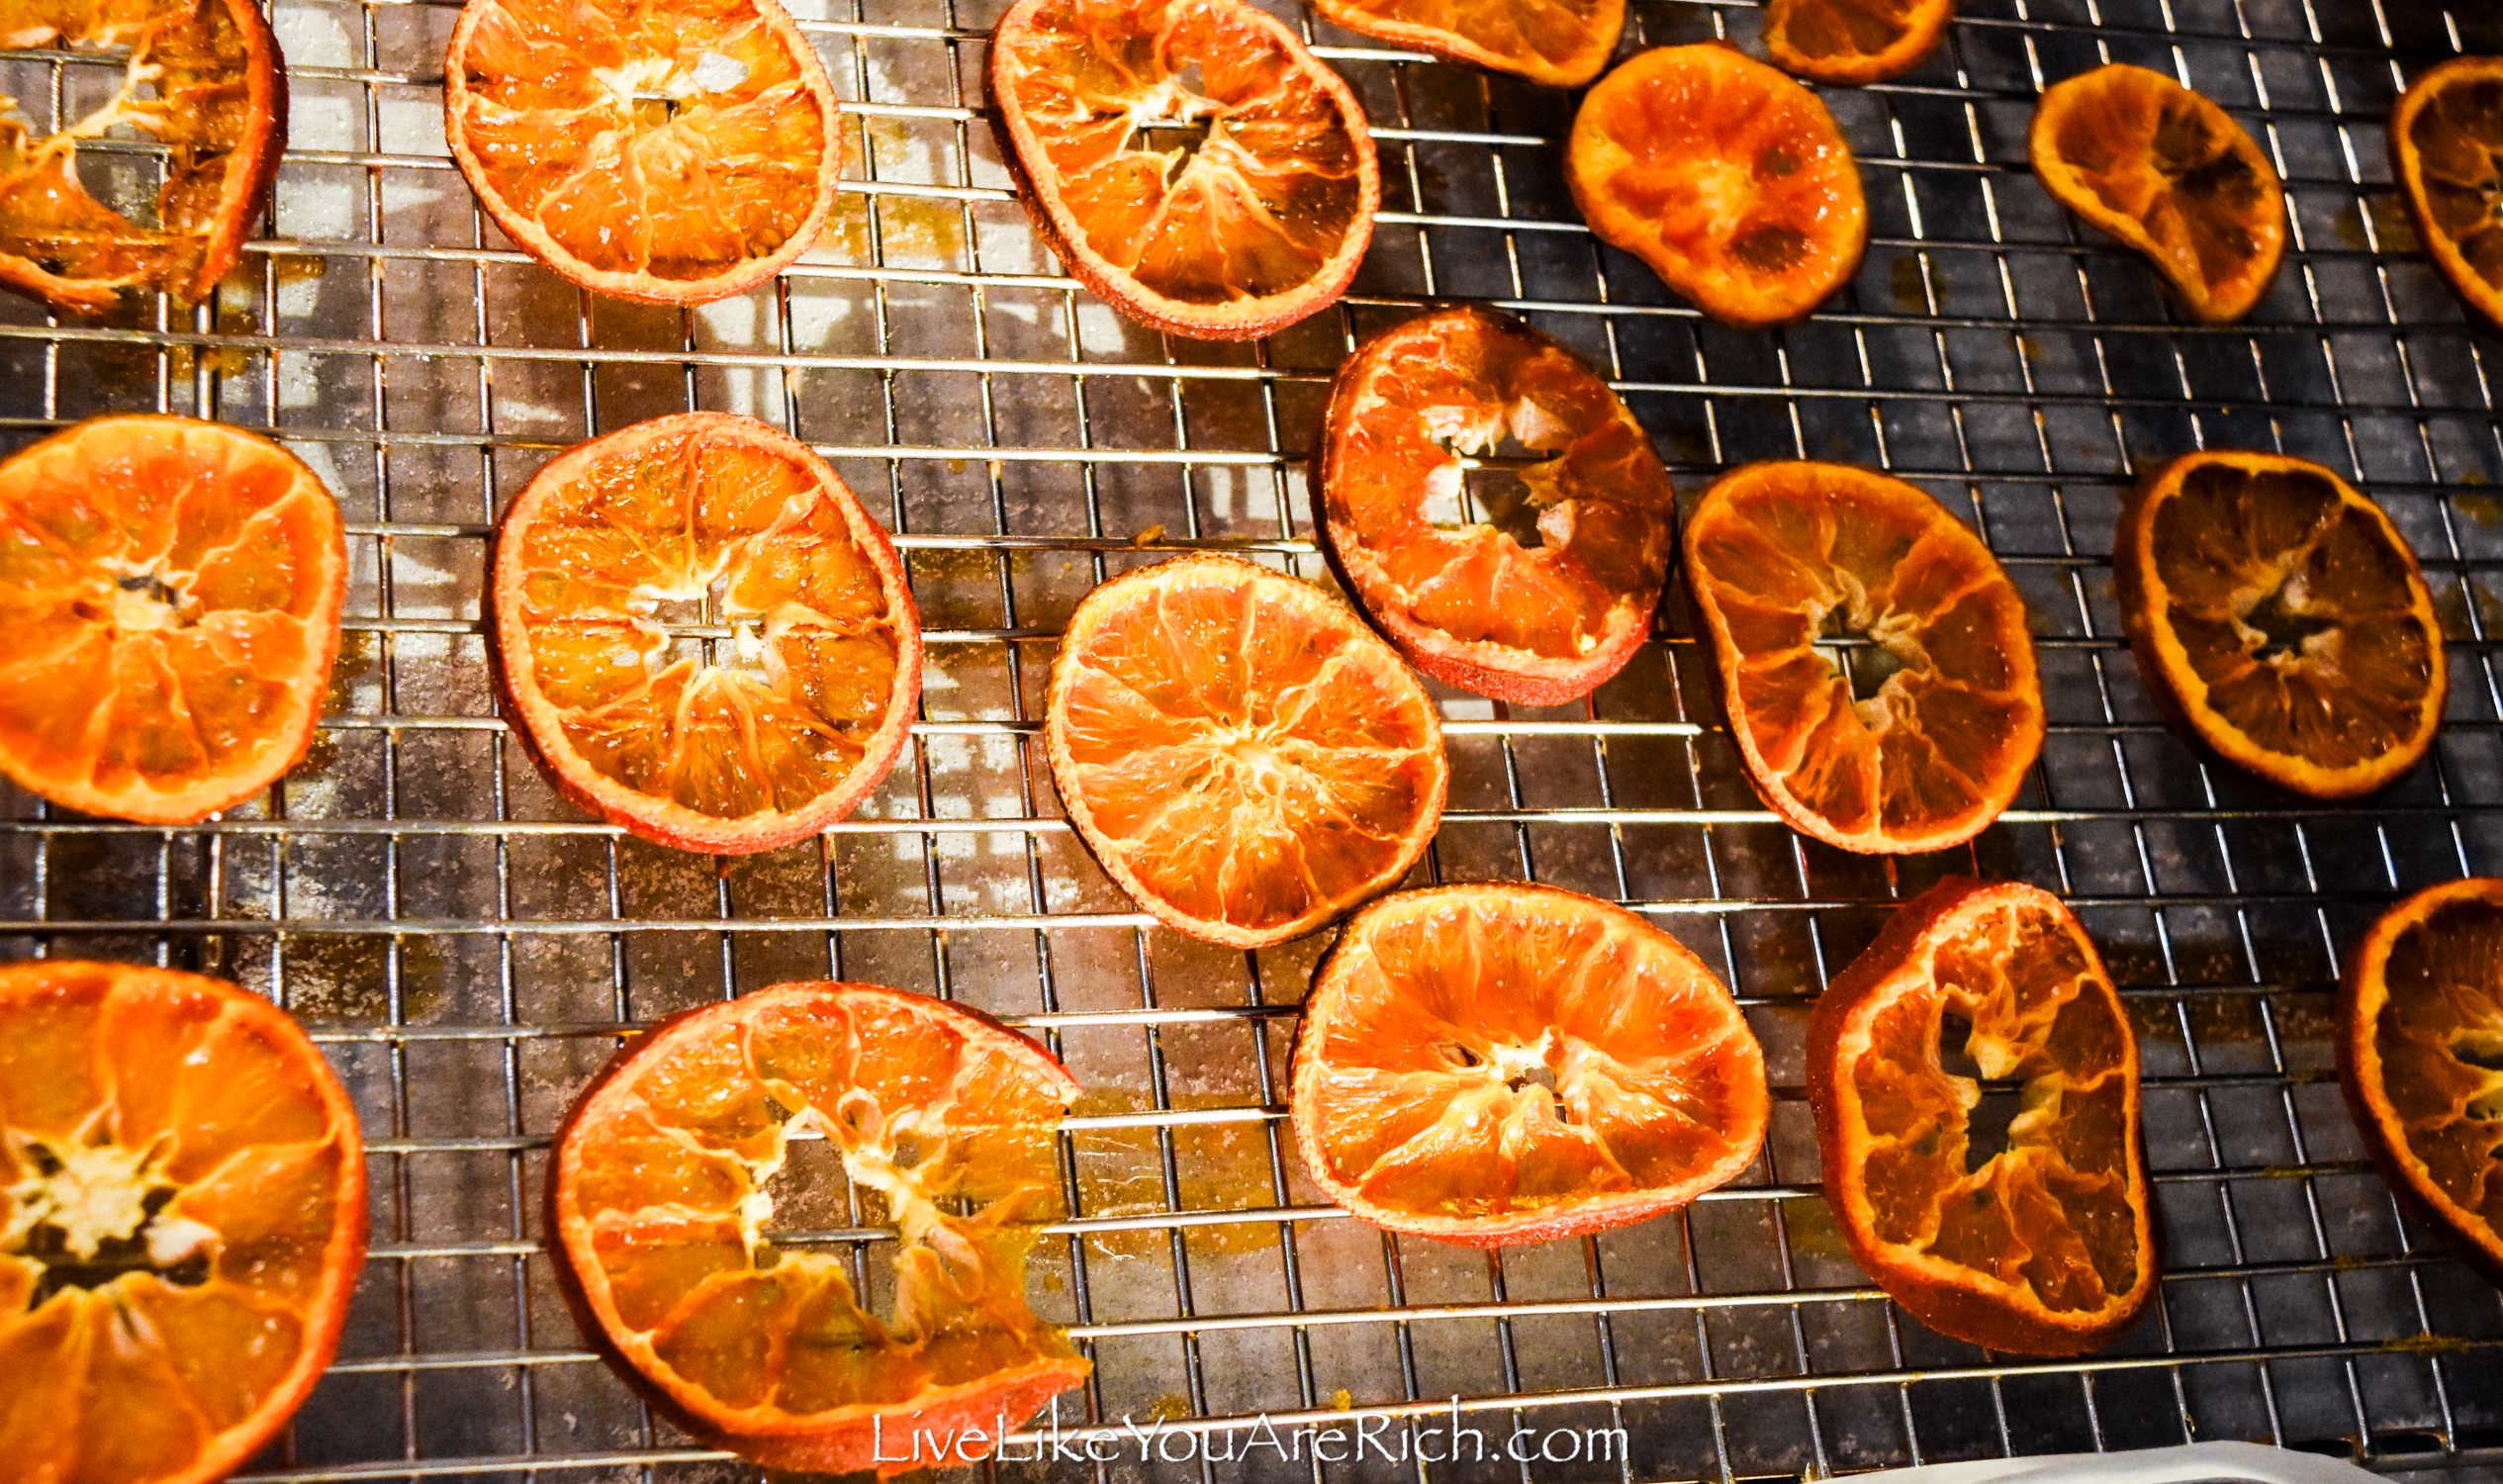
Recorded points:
1908,286
1216,1166
2486,509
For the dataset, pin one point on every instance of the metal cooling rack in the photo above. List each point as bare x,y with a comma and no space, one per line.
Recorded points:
467,948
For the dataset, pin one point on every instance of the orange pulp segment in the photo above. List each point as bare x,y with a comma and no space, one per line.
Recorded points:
1188,161
709,640
1731,181
672,153
943,1120
1872,654
172,592
2171,176
182,1218
2280,614
1240,753
2046,1246
1498,1063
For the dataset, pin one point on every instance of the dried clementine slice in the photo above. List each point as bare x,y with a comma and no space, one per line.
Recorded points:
2447,151
662,1189
182,1217
1533,592
2279,617
670,154
1872,654
204,79
1188,161
2169,175
1504,1064
1851,42
1731,181
2048,1246
1240,752
707,639
2420,1026
1559,43
171,588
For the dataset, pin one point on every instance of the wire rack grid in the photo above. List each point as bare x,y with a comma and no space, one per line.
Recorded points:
468,948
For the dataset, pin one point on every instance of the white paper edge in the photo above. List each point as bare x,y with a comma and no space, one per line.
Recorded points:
2192,1463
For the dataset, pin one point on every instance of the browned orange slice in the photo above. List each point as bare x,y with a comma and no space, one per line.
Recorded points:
2044,1248
204,79
2447,151
1188,161
1872,654
1560,42
171,589
1534,585
182,1217
2170,176
706,638
1499,1063
672,153
2278,616
662,1193
2420,1034
1731,181
1242,754
1852,41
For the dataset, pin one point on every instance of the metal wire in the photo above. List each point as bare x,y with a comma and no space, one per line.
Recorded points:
468,948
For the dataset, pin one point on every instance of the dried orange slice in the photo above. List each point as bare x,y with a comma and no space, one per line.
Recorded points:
663,1184
182,1217
1847,42
670,153
2447,151
2420,1031
707,639
1188,161
2048,1246
1731,181
2169,175
1504,1064
202,78
1532,592
2278,616
171,589
1240,752
1559,43
1872,654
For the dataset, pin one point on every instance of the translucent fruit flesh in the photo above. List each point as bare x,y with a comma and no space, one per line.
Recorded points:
1559,43
945,1126
2431,1009
181,1222
1792,563
1730,181
2446,142
2169,174
737,742
1194,164
200,78
1505,1064
1851,42
674,153
2285,616
1536,614
1243,756
172,592
2043,1246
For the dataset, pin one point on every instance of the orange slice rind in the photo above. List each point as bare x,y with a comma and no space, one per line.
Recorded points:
1562,44
2278,616
943,1121
1870,653
1500,1063
1847,42
2447,152
2047,1247
1539,603
704,636
1240,752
